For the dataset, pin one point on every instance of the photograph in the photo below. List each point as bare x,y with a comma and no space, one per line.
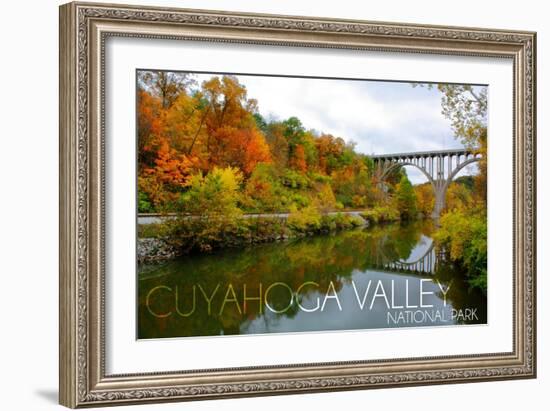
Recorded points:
285,204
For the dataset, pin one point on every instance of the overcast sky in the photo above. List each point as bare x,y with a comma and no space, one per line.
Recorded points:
380,117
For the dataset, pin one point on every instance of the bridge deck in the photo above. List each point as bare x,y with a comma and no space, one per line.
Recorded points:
434,153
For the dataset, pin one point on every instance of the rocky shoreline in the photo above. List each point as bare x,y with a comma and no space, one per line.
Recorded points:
151,250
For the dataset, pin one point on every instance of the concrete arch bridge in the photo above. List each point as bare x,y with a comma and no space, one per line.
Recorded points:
440,168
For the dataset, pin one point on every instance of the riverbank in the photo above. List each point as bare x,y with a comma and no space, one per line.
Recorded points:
180,236
157,218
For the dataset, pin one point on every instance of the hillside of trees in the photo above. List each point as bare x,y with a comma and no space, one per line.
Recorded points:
197,141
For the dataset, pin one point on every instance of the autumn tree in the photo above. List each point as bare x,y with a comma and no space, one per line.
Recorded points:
466,108
216,193
261,192
424,198
330,151
325,200
149,127
233,137
298,159
184,123
166,85
463,228
458,196
278,144
301,145
352,183
162,182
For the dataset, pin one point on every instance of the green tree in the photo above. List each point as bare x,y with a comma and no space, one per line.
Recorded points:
302,152
405,198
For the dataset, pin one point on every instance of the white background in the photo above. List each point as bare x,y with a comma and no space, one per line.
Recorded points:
29,192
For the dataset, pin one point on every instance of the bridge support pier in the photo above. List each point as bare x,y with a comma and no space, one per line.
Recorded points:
440,191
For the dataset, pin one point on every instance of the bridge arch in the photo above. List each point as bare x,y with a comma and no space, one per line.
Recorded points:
461,167
426,263
394,166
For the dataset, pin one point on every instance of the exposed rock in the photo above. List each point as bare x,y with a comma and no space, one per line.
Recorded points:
154,249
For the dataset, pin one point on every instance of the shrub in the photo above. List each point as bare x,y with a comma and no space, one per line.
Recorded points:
339,221
154,230
207,234
328,223
381,215
387,214
371,216
304,220
355,220
144,204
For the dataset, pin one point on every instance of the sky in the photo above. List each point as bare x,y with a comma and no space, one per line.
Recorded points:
380,117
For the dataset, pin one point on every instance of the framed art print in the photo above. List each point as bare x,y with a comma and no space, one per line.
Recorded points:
259,204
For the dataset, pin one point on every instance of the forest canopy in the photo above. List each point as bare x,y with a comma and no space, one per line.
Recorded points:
189,131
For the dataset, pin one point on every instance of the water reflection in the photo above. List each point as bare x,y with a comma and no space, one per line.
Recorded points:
382,277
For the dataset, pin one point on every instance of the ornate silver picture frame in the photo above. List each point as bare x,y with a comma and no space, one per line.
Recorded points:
84,30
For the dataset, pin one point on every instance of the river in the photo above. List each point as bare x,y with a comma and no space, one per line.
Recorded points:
381,277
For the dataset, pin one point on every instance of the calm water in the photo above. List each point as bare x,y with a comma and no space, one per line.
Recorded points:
382,277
